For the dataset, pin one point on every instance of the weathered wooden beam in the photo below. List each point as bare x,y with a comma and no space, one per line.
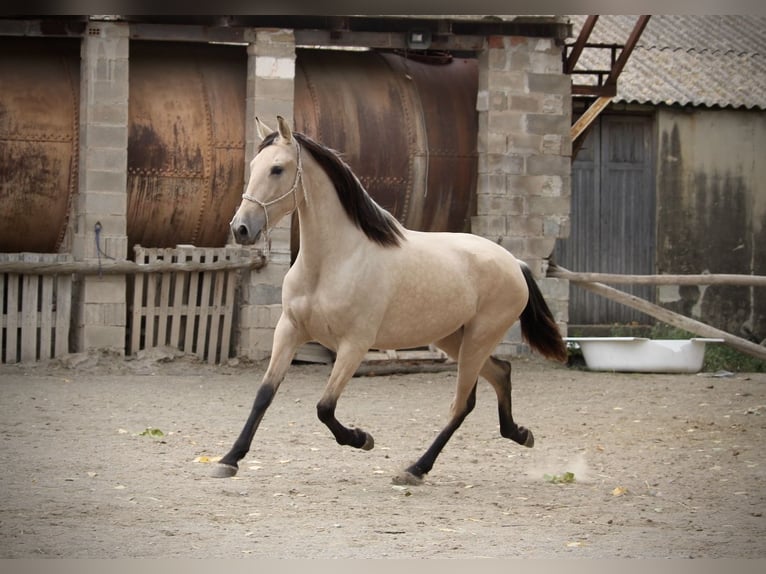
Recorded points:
700,279
589,116
123,267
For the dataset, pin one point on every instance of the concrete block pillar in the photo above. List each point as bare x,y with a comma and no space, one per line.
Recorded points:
524,147
270,92
101,204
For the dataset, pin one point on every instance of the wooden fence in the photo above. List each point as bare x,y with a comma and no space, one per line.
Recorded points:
35,309
188,310
594,282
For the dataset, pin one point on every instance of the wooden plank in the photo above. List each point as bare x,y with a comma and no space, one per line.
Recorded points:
12,319
405,361
47,318
179,286
139,287
204,307
589,116
314,353
191,315
63,314
29,316
216,310
228,308
150,310
254,261
666,279
165,280
424,354
3,318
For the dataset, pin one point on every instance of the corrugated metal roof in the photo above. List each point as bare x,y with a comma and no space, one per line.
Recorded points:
700,60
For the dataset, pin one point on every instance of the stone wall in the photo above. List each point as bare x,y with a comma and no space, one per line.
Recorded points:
524,146
99,216
270,92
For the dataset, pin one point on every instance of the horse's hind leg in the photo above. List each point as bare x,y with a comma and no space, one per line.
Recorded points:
498,373
470,358
346,363
415,472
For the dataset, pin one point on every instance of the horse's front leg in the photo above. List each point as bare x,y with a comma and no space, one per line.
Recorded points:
346,363
287,338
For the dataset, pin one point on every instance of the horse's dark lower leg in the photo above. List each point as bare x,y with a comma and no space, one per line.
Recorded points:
346,362
228,465
498,373
426,462
286,340
343,435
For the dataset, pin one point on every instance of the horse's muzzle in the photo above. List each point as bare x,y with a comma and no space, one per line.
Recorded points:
243,235
246,230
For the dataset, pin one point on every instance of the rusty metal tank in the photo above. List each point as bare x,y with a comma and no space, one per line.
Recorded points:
406,127
39,99
186,142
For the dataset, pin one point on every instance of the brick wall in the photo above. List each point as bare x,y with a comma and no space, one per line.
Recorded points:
100,312
270,92
523,188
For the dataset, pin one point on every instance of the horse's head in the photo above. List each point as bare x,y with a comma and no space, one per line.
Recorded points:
272,190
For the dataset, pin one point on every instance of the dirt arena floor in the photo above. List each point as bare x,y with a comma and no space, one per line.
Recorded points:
111,458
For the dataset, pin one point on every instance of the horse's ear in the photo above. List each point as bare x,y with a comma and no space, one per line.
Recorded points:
262,129
284,129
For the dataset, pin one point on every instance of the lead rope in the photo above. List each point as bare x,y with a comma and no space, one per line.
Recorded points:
265,204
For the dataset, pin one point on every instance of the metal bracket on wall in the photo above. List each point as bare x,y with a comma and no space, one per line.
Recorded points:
604,89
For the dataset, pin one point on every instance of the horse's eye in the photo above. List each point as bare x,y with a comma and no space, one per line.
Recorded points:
276,170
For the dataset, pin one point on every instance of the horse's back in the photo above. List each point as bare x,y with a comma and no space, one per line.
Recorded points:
444,281
469,257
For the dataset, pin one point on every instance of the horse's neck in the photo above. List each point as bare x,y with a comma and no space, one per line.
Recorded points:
326,232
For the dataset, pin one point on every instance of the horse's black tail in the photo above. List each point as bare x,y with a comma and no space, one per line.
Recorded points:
538,326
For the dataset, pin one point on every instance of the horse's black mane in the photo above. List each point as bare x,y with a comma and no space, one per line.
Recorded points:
374,221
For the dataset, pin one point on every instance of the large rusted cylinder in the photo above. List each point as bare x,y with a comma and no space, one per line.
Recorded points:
186,150
39,99
406,127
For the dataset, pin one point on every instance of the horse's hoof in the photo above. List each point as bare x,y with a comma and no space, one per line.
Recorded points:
530,442
224,470
406,478
369,442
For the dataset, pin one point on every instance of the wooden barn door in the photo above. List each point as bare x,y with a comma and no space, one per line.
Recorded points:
613,216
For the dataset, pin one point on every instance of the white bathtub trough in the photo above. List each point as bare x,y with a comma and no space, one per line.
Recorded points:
642,355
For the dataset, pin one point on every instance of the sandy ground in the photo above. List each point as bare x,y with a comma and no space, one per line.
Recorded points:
664,465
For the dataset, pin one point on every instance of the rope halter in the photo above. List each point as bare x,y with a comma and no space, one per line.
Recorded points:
292,190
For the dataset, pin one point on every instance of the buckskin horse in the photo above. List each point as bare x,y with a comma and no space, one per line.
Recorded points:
362,281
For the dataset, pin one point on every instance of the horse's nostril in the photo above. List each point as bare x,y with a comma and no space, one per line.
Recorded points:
241,231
